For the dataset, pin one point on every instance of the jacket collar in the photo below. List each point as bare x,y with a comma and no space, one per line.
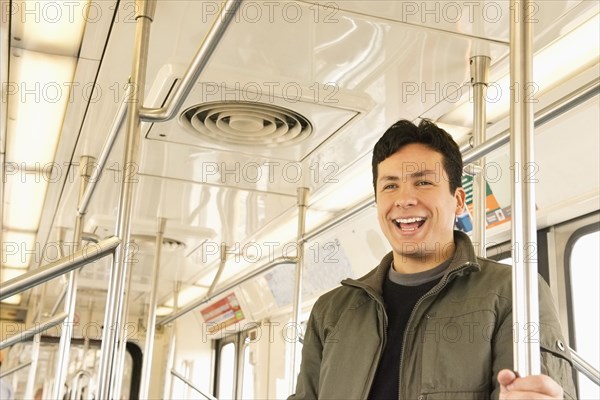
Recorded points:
463,262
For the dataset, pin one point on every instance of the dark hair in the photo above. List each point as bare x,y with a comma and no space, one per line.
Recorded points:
405,132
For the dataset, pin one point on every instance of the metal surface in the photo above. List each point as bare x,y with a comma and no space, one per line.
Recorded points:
2,157
121,349
110,356
192,306
486,147
150,325
41,327
59,300
76,388
524,272
15,369
35,346
50,271
480,66
190,384
585,368
106,149
35,353
365,205
198,64
172,350
62,364
543,116
220,270
299,273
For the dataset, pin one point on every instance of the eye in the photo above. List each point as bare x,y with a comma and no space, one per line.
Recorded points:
424,183
390,186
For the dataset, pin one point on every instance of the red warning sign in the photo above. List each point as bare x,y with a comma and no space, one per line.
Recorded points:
223,313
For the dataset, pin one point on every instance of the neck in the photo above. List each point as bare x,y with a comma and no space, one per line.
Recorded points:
421,261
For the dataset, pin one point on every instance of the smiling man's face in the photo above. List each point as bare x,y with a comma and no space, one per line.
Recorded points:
415,208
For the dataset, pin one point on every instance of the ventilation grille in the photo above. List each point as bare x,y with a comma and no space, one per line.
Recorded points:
149,241
246,124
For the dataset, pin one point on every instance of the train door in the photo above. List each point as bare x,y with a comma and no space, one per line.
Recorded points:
235,366
568,259
578,267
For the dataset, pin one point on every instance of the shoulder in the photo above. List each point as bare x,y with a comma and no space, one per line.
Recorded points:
349,295
491,277
338,299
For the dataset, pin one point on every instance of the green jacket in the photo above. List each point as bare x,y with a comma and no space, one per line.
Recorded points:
457,339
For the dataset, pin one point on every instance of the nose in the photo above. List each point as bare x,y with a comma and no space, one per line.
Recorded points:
405,197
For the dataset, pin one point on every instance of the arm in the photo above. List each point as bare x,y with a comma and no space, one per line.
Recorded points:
308,378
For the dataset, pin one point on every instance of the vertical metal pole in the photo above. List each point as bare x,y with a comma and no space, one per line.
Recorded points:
35,352
35,345
525,280
2,180
118,274
151,324
297,307
122,337
215,281
62,365
171,355
480,66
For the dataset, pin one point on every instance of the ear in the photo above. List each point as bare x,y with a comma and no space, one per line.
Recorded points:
460,197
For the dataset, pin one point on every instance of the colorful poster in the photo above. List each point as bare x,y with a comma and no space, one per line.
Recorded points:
222,313
495,215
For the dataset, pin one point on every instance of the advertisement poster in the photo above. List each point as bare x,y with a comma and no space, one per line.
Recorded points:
222,313
495,215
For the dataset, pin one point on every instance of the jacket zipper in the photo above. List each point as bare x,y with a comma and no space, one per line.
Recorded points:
367,388
436,290
374,296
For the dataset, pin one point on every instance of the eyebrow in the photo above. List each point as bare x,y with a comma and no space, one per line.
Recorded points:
414,175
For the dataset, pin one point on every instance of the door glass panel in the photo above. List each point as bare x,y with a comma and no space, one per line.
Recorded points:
585,297
226,371
248,375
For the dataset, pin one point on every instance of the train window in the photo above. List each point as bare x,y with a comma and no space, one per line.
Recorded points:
584,276
236,366
226,377
84,361
247,372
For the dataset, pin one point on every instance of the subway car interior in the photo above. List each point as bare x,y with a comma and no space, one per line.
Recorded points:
181,180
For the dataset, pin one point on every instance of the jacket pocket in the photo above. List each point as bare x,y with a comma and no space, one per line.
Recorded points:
457,355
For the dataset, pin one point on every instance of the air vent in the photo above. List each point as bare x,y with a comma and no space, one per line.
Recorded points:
247,124
149,241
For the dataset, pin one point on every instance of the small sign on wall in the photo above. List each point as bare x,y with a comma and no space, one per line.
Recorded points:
222,313
495,214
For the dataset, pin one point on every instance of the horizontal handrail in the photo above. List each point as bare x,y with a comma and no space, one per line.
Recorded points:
541,117
173,316
364,205
585,368
190,384
38,328
66,264
15,369
201,59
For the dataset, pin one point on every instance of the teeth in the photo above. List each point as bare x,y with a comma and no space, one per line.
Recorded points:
409,220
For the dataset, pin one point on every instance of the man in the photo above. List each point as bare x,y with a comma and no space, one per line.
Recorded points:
432,321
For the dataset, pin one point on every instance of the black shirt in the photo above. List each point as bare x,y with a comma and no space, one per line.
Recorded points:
401,292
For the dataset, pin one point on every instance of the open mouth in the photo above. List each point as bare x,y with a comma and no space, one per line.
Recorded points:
409,224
